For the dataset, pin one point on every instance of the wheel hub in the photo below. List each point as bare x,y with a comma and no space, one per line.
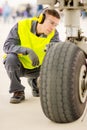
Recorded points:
83,84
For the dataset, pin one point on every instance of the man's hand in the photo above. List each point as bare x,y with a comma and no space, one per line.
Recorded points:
33,57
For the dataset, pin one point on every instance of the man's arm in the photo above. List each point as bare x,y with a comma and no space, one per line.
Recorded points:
12,43
56,37
53,41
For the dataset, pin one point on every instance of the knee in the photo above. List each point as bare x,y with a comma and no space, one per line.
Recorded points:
11,59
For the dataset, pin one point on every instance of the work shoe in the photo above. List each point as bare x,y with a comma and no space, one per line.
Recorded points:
17,97
35,89
35,92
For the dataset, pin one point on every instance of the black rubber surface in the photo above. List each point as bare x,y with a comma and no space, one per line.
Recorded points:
59,83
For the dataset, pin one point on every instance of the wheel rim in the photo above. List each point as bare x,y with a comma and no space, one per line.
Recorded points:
82,88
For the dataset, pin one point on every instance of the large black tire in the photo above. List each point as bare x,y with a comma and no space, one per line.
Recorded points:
59,83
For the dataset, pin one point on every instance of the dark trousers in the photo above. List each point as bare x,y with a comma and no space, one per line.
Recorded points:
15,70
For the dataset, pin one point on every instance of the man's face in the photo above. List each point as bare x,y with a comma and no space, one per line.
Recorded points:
49,24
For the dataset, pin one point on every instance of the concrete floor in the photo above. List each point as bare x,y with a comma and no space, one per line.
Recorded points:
27,115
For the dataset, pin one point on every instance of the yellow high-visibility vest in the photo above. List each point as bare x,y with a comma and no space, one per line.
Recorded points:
30,40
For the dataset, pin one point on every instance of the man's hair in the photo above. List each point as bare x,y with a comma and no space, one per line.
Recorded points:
44,13
52,12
